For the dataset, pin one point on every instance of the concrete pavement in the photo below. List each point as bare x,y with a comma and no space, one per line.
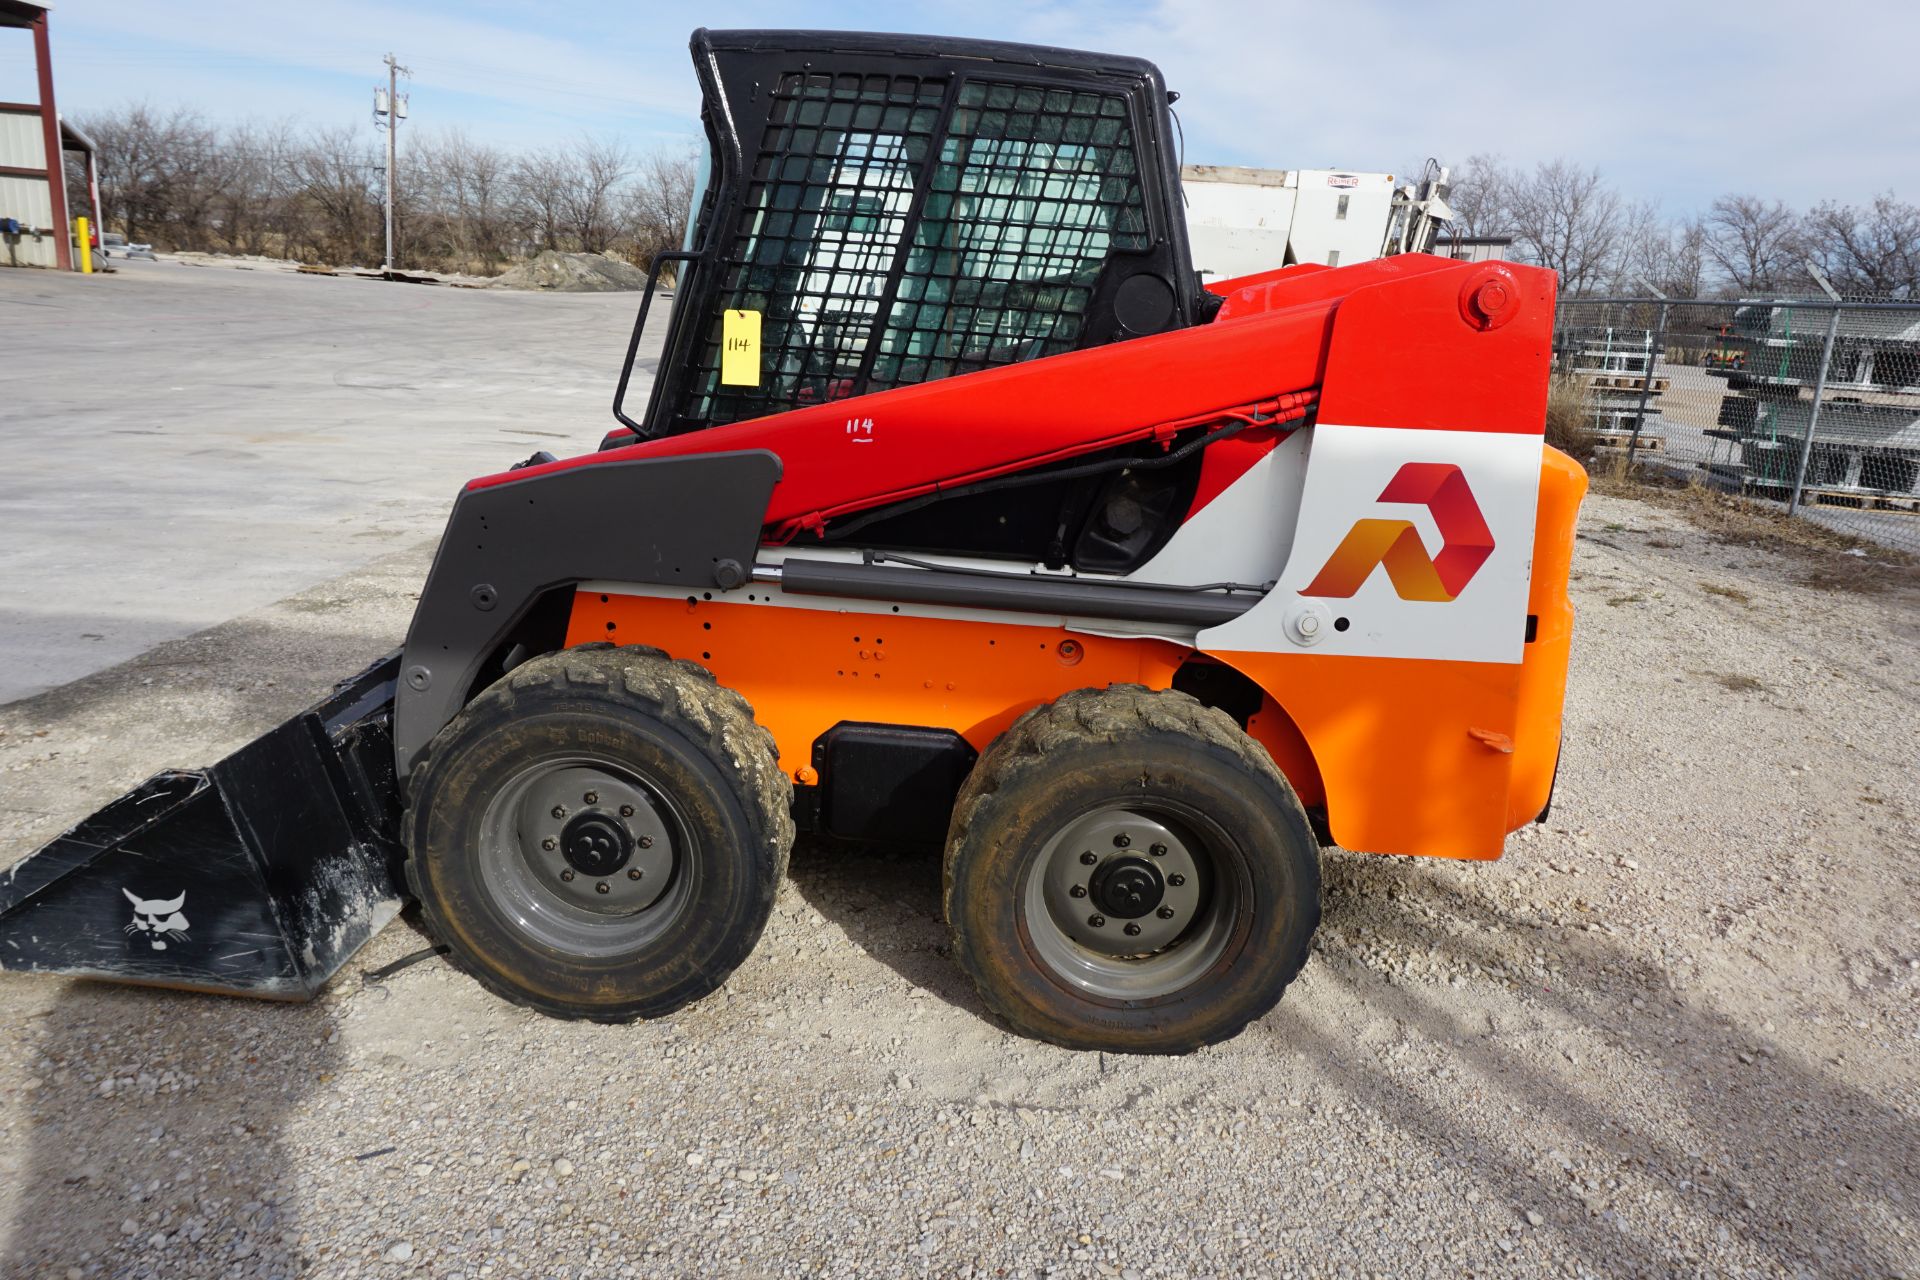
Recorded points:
185,443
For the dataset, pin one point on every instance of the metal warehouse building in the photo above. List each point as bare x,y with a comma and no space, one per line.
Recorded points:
35,207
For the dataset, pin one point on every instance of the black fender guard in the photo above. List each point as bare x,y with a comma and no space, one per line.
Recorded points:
691,521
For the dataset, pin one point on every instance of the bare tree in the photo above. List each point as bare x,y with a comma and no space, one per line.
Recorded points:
1755,245
479,196
1684,272
337,175
269,188
1873,251
539,196
456,194
1567,219
256,173
571,199
657,204
595,168
1478,196
153,170
1669,256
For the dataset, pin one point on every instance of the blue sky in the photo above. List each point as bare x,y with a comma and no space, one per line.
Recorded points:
1675,102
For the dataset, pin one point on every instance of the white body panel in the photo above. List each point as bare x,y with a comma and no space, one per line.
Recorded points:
1245,533
1347,469
1238,220
1340,218
1243,221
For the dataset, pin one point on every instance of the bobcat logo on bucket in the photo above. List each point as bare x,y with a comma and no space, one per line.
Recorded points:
157,919
1466,542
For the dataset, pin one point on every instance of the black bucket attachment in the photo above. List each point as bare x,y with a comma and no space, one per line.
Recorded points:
259,876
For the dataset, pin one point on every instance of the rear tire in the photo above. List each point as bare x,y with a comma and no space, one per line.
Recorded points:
1128,871
600,834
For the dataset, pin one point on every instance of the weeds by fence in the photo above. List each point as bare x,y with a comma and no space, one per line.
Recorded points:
1810,408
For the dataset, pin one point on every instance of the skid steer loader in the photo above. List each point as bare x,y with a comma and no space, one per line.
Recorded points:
960,513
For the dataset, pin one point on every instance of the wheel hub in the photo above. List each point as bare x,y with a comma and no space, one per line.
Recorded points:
1127,888
1117,889
592,839
594,844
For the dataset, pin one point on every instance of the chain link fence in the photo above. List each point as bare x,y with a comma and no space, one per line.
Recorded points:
1811,406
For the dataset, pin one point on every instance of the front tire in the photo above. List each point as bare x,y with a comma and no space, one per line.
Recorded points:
600,834
1128,871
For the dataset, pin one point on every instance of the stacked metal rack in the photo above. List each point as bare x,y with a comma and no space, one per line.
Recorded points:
1851,378
1618,369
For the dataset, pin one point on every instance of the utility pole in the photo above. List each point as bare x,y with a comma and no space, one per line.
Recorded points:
395,111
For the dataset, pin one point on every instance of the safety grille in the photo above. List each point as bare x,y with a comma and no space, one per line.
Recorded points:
1035,187
820,227
872,267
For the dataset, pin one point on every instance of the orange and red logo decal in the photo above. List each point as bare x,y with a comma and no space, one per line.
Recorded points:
1466,542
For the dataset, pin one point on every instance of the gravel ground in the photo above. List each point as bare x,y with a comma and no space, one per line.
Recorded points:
1673,1032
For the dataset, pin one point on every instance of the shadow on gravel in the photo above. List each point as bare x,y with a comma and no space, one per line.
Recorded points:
1710,1131
888,903
154,1135
1755,1128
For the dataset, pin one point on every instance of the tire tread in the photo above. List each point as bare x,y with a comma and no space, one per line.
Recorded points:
1093,717
677,692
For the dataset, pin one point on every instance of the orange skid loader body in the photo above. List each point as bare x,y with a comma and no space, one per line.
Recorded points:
961,515
1420,707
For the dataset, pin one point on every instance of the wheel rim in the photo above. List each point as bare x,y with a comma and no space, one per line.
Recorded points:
585,856
1129,903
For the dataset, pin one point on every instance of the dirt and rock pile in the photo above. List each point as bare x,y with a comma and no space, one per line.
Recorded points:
557,272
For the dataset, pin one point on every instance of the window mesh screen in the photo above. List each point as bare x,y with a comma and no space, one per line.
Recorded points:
1032,188
824,213
1035,187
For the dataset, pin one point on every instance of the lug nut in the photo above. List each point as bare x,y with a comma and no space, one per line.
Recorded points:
567,875
1088,859
1176,880
626,811
559,811
1165,913
603,887
1098,922
1133,930
592,797
633,873
549,844
1158,851
1078,891
646,842
1122,840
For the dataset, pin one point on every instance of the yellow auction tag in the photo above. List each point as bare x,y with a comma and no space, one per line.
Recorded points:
740,349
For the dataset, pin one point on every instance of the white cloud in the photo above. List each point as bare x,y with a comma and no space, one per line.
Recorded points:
1674,102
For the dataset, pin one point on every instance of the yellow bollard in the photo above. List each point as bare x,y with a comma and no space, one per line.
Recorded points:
86,247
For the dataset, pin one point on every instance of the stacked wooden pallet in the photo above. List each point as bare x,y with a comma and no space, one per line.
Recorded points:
1845,499
1626,382
1649,442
